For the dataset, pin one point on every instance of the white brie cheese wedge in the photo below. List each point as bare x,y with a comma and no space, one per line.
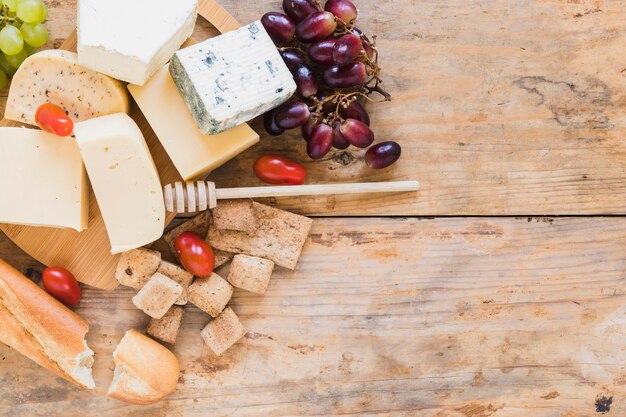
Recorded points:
124,179
131,39
231,79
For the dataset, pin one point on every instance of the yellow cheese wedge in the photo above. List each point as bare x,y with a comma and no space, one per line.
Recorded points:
193,153
42,180
55,76
124,179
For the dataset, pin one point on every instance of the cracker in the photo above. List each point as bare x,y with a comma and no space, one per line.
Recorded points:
179,275
250,273
236,215
279,237
135,267
166,328
223,332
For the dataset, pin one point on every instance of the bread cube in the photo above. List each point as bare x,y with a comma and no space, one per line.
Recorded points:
250,273
136,266
179,275
221,257
223,332
210,294
235,215
157,296
166,328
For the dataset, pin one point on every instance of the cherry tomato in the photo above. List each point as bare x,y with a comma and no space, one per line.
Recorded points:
61,284
53,119
276,169
195,254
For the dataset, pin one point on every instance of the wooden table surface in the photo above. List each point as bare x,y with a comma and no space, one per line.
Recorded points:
458,301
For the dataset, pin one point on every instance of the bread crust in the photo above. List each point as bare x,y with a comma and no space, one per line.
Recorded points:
39,326
140,358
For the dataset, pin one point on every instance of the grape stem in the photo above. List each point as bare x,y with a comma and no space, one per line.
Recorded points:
5,18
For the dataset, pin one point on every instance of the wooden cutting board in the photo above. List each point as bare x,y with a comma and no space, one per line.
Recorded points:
87,253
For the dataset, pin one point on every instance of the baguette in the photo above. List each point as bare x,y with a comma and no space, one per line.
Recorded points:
145,371
42,329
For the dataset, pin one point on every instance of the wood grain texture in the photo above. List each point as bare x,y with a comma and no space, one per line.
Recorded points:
501,108
468,317
88,253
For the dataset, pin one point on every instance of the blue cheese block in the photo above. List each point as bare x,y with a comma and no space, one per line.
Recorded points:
231,79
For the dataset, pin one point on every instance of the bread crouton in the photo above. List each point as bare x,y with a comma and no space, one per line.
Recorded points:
250,273
179,275
210,294
223,331
157,296
136,266
166,328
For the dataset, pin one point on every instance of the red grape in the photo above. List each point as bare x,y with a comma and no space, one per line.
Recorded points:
339,142
293,58
355,110
307,127
382,155
347,49
291,114
356,133
367,44
299,10
317,26
344,76
320,141
321,52
343,9
279,26
305,80
270,124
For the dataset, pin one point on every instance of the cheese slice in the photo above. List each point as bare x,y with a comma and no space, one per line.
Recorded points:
231,79
42,180
193,153
124,180
55,76
130,40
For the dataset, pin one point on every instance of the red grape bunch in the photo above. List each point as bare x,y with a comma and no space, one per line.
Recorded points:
335,67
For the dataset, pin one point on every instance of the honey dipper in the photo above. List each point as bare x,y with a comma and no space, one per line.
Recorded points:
194,196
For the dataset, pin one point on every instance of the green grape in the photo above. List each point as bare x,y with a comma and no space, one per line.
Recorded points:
16,60
3,80
29,49
5,67
31,11
34,34
11,41
12,4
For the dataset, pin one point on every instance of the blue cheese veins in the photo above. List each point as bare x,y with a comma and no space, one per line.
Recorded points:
231,79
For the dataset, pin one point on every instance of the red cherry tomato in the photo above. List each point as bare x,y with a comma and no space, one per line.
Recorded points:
53,119
61,284
195,254
276,169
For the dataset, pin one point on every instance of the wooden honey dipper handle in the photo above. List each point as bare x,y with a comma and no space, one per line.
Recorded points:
190,197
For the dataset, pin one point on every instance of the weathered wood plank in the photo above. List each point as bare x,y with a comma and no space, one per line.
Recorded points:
501,108
390,317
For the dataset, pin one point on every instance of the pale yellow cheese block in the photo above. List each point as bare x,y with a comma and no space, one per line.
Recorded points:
124,178
42,180
193,153
55,76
